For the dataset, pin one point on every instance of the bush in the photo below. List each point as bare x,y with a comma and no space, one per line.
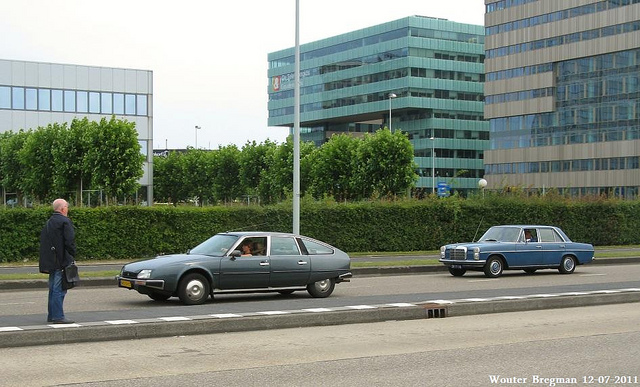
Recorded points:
126,232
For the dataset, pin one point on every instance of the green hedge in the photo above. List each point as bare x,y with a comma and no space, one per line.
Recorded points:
135,232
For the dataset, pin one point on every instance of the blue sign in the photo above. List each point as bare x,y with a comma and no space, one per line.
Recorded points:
443,189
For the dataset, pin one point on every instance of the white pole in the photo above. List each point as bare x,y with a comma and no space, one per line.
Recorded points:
296,129
433,165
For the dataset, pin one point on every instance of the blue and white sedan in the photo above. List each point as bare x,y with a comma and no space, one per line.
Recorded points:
516,247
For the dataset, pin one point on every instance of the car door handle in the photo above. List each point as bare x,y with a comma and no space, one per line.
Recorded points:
302,262
264,263
538,247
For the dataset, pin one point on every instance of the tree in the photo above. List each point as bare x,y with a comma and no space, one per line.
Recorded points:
114,157
385,164
36,159
11,169
168,178
277,180
69,153
226,179
254,159
334,168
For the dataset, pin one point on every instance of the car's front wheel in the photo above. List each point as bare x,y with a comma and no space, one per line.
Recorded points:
493,268
159,296
193,289
457,272
322,289
567,265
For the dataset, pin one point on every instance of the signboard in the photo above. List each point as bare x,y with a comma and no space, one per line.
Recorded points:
443,189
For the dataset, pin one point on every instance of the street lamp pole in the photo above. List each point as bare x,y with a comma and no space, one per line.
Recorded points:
391,96
197,128
433,165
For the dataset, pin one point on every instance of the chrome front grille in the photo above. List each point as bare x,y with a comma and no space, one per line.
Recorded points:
459,254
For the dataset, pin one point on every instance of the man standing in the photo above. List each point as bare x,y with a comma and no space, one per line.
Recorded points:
57,250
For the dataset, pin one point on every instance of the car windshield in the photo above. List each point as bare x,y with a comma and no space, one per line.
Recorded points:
501,234
217,245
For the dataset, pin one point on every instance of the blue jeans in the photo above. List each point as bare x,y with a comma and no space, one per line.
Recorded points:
56,296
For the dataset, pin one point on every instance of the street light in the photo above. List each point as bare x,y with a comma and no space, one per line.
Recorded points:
197,128
482,183
433,165
391,96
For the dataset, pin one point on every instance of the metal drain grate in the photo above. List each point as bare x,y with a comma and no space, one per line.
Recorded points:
436,313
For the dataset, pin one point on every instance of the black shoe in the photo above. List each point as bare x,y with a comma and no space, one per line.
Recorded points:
63,321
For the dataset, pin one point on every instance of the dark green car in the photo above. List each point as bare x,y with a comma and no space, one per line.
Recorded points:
234,262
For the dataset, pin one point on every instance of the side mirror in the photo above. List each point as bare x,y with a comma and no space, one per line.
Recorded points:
235,253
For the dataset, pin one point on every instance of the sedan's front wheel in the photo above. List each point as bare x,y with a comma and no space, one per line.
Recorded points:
322,289
493,268
193,289
457,272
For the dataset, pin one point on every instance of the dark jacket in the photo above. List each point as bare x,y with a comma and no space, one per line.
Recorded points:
57,231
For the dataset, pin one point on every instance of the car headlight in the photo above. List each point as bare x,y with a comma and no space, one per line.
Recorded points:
144,274
442,251
476,253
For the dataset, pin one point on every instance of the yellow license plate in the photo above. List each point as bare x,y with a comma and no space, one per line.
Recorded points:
126,284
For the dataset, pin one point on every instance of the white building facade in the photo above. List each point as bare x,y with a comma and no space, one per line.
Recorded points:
35,94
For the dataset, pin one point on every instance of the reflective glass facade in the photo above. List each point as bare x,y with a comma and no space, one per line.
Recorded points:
433,67
565,117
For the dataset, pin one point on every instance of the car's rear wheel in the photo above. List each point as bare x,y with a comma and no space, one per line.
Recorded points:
457,272
530,271
193,289
567,265
159,296
322,289
494,267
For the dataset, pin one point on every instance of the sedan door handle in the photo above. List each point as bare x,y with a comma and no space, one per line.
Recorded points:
302,262
538,247
264,263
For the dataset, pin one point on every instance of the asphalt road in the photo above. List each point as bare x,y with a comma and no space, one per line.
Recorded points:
595,345
107,313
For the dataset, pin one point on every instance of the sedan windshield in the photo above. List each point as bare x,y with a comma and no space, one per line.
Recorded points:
217,245
501,234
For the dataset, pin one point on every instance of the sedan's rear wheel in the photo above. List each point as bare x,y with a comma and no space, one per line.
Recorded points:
322,289
567,265
493,268
193,289
457,272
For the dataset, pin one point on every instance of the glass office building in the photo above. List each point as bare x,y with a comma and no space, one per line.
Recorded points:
35,94
563,95
421,75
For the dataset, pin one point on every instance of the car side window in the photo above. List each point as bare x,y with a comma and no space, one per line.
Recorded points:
548,235
314,248
284,246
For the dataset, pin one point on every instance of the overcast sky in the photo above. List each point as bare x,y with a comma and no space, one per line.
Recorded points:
208,57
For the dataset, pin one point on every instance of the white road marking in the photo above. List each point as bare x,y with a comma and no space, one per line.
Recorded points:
360,307
121,322
273,312
10,329
177,318
225,315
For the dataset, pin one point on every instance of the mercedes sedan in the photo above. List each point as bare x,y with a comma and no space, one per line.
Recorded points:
514,247
240,262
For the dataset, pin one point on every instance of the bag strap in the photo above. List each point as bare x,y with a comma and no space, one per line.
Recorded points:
53,248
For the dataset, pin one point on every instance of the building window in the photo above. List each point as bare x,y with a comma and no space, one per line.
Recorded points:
56,100
31,102
44,99
118,103
94,102
82,101
142,104
69,101
130,104
106,105
17,97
